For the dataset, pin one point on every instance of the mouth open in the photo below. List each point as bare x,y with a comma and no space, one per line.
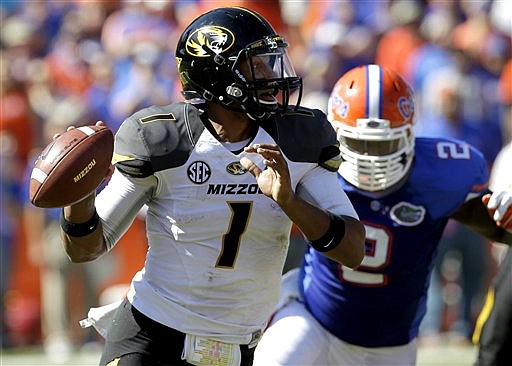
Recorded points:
267,98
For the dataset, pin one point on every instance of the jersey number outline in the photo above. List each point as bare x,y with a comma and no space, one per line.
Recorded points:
379,242
240,212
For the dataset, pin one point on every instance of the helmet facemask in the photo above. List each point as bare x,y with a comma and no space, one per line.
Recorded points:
265,78
375,156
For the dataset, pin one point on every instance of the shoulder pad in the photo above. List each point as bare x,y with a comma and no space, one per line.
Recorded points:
305,135
157,138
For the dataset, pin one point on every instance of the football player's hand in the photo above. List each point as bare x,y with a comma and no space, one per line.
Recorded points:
499,205
98,123
274,181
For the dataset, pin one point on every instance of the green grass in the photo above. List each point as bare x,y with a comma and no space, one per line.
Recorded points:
445,354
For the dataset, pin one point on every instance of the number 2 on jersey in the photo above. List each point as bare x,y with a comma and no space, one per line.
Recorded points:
240,212
378,256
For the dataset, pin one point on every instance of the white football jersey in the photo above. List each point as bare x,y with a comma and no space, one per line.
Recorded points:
217,245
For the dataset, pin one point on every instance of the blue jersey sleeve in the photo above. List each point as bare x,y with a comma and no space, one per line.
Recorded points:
447,173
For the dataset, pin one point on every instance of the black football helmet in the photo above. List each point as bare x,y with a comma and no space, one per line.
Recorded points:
233,56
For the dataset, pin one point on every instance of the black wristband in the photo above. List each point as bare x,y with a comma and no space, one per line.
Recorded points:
332,237
82,229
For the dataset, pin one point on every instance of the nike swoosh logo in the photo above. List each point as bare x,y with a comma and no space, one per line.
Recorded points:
47,150
329,243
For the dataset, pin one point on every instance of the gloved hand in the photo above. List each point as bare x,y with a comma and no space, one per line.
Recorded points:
499,205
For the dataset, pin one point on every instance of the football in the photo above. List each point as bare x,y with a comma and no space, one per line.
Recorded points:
71,166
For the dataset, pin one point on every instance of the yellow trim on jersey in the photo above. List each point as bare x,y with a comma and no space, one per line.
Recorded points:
117,158
483,316
333,163
157,117
115,362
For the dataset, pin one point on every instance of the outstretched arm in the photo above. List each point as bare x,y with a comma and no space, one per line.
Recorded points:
81,227
490,215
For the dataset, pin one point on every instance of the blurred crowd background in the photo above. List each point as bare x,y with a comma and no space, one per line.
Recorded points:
75,62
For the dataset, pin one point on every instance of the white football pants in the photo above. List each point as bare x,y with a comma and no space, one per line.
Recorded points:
295,338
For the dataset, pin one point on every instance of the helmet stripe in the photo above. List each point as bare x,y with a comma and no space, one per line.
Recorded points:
256,15
373,78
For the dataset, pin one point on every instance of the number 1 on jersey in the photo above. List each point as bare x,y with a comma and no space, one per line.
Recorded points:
240,212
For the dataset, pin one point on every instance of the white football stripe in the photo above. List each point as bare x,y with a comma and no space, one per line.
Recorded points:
87,130
38,175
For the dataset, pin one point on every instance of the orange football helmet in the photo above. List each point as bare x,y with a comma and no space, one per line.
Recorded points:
372,110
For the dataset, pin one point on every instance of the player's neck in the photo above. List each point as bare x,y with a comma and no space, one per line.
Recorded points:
229,126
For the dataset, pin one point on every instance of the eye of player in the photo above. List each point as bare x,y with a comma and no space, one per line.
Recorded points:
368,147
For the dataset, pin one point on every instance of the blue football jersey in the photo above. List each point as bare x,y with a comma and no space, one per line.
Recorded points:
383,302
